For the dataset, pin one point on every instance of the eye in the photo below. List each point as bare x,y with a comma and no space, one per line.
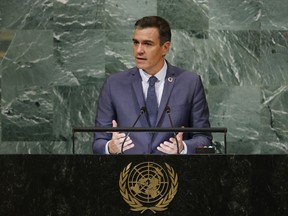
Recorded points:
147,43
135,42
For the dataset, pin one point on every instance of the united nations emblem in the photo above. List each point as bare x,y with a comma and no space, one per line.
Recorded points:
148,186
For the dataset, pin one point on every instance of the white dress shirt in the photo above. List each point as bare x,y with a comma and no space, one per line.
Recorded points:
159,85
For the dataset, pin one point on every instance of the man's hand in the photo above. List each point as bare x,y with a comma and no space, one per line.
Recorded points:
115,144
170,147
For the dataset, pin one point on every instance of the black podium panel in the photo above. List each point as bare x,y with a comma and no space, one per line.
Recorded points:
89,185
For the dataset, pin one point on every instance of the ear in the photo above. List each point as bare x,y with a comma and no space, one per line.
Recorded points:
165,47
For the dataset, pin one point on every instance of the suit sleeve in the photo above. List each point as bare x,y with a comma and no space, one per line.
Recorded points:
199,118
104,116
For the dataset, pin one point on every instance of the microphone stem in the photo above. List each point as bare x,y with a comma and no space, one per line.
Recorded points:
122,144
168,112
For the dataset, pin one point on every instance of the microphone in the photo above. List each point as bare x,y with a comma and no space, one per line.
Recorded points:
142,111
168,110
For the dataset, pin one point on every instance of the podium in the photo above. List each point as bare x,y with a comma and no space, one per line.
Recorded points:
89,184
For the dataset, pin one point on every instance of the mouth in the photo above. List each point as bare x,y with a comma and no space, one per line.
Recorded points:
140,59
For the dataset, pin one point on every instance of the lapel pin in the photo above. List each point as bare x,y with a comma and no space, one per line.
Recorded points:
170,79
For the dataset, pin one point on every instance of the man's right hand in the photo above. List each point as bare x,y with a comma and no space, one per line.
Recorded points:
115,144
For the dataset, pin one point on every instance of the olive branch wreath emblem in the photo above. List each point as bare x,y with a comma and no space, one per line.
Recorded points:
138,206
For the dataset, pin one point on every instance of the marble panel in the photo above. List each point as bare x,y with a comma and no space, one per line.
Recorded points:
26,14
83,143
244,147
274,114
261,146
189,51
274,58
30,44
118,50
272,147
42,147
6,38
234,57
80,56
75,107
27,73
274,15
238,109
28,63
28,117
74,14
182,14
123,14
234,14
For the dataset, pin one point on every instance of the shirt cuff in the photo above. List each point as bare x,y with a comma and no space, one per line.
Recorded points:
106,148
184,151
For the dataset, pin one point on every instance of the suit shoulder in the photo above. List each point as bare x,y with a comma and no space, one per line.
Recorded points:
183,73
122,75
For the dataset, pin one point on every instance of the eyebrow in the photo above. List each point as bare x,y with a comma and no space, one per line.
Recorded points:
145,41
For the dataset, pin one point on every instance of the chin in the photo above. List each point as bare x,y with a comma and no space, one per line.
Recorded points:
140,66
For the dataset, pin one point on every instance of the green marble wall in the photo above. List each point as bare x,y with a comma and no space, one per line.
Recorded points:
55,55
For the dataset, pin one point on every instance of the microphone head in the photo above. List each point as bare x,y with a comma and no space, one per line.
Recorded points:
143,110
167,109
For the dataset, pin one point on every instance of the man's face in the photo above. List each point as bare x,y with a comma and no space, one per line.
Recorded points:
149,54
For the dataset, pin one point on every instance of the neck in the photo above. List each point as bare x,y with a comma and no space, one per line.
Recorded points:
161,64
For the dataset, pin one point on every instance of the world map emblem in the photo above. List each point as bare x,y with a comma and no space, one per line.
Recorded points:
148,186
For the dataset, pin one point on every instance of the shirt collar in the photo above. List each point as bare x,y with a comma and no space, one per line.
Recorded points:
160,75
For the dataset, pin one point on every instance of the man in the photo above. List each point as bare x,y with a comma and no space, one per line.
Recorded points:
124,95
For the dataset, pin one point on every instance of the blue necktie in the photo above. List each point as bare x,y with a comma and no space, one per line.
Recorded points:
151,101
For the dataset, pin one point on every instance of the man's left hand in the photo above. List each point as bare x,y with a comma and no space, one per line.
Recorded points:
170,147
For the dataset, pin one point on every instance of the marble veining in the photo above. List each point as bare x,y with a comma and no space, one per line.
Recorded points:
56,54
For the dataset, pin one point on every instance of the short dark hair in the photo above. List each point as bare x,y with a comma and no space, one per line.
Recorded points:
158,22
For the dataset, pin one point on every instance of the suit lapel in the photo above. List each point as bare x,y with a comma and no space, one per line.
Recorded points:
168,86
138,90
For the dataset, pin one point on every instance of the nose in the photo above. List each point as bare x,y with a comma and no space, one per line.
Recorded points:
139,49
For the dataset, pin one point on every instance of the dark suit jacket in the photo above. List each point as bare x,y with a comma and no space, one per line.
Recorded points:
122,97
